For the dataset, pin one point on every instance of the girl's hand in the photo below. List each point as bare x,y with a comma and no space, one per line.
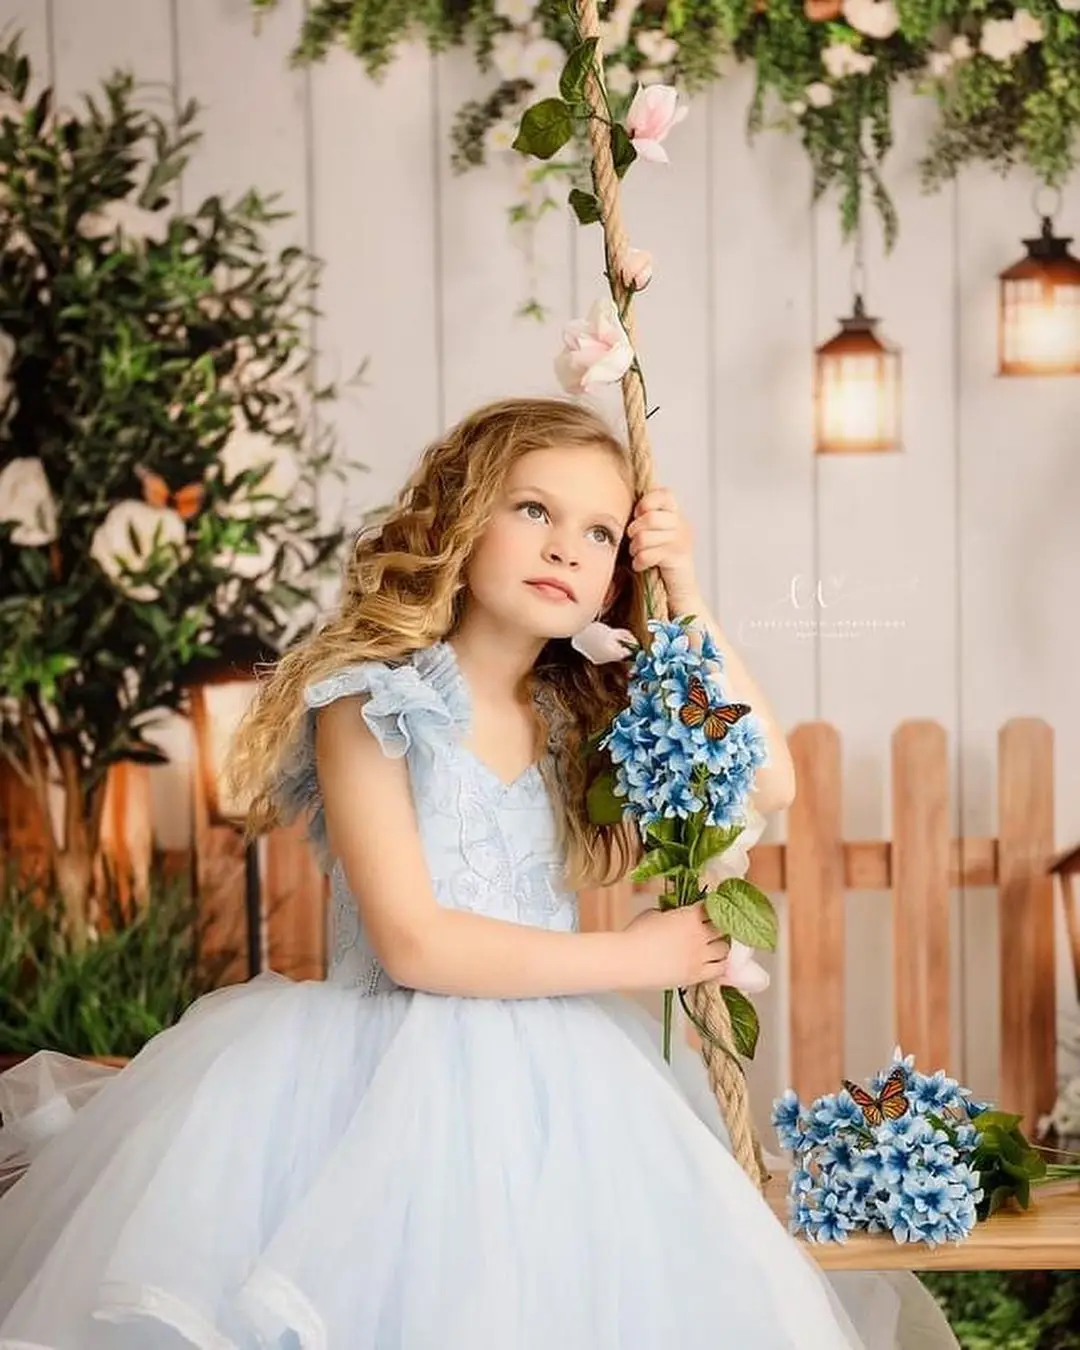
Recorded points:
660,536
675,948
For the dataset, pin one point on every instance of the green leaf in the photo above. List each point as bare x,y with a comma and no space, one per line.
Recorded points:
714,840
664,831
660,862
576,70
623,153
744,1020
999,1119
738,909
603,805
545,128
585,206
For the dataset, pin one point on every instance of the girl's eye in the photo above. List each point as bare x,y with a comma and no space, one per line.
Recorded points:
606,536
530,507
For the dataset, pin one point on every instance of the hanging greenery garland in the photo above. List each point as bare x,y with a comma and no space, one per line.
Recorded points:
1006,79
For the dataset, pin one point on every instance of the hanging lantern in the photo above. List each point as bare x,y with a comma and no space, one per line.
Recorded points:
857,389
1039,309
219,693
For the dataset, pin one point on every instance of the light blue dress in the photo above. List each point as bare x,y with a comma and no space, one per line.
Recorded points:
350,1165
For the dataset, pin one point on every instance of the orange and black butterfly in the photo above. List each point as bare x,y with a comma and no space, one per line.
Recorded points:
697,711
185,501
890,1104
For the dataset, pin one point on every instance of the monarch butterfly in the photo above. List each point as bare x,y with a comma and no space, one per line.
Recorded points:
890,1104
714,717
185,501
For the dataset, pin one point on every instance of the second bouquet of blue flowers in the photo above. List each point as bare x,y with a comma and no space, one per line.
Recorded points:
683,761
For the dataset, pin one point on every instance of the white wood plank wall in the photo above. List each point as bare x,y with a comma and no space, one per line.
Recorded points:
939,583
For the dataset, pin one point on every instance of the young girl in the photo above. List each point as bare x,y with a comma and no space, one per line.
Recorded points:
464,1139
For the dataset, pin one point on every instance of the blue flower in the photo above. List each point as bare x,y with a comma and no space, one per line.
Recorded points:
936,1093
847,1112
829,1222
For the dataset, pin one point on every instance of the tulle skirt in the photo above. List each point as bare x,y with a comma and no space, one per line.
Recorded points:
295,1165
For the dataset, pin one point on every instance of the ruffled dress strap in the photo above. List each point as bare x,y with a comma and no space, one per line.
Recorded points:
419,702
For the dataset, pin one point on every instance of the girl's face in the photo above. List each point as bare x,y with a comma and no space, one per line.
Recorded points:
545,562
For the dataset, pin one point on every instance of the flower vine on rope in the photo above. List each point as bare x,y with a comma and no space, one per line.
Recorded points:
1005,77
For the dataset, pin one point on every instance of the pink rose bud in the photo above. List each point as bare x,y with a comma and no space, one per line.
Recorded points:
596,350
601,644
742,971
636,269
654,111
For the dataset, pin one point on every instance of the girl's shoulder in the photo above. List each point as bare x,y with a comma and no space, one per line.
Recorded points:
420,700
421,694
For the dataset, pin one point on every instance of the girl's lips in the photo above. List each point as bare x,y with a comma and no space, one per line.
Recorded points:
549,591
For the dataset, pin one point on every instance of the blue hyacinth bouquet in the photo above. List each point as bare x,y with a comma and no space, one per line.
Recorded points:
681,762
913,1155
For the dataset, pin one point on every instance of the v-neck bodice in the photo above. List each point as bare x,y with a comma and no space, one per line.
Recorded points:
491,846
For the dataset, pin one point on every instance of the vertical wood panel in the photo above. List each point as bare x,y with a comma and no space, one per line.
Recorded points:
373,206
887,543
1018,569
254,129
1026,917
920,893
815,890
32,19
760,486
488,350
95,37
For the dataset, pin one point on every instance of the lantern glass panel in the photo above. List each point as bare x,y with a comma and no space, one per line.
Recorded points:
858,400
1040,326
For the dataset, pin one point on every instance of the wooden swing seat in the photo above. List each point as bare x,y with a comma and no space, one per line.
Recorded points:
1044,1237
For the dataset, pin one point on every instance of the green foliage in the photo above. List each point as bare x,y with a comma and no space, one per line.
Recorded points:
142,340
111,997
1021,1310
743,912
1021,109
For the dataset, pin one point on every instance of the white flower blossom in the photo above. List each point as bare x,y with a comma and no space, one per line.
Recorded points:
542,62
500,136
125,540
841,60
875,18
1028,26
517,11
26,501
1001,39
246,450
656,47
618,78
615,30
819,94
960,48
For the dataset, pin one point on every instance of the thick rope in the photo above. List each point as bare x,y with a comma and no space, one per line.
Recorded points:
726,1076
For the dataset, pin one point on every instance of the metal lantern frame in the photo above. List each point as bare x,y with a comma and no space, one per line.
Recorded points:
858,340
1043,287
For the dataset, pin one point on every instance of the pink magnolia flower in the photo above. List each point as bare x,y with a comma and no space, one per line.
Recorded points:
742,971
601,644
654,111
596,350
636,268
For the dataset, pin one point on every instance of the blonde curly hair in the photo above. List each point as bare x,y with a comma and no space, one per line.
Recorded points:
404,589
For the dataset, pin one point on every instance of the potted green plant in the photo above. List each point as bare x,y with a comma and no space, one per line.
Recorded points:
159,453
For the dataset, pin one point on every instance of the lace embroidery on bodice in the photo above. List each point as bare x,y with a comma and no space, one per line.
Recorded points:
491,847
